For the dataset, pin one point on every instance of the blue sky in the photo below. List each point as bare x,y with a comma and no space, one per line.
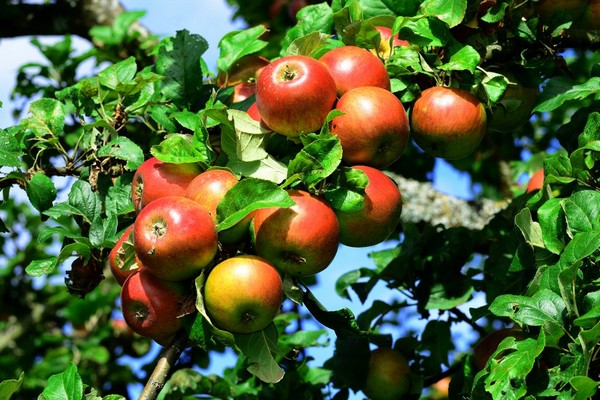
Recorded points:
212,19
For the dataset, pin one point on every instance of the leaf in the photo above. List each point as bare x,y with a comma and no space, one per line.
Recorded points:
440,299
259,348
451,12
429,31
10,150
41,191
312,18
314,44
531,230
553,224
47,117
41,267
317,160
346,189
544,308
585,386
179,148
250,136
102,230
582,211
372,8
10,386
121,72
591,132
125,149
238,44
582,245
342,321
85,200
64,386
461,57
559,90
179,62
248,195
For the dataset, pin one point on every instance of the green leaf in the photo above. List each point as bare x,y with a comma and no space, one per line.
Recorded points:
179,62
553,224
47,117
440,299
312,18
64,386
102,231
342,321
317,160
84,199
373,8
10,150
41,267
451,12
346,189
544,308
178,148
461,57
582,211
531,230
259,348
583,245
428,31
314,44
41,191
237,44
559,90
118,200
119,73
248,195
585,386
558,168
251,138
10,387
125,149
591,133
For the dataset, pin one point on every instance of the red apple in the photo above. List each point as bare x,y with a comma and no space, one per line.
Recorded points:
301,240
175,238
208,189
242,91
379,215
294,95
154,179
152,307
487,346
514,107
243,294
122,261
388,376
374,129
536,182
384,50
353,67
447,122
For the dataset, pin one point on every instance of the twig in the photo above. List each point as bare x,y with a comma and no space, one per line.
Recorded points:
163,367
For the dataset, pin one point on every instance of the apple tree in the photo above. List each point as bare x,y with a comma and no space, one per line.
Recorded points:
107,270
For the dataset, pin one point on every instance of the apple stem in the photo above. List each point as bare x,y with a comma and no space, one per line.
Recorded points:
289,74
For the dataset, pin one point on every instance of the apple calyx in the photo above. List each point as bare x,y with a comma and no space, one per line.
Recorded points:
294,257
288,74
159,229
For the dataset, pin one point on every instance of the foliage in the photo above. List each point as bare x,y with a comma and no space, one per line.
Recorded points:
534,265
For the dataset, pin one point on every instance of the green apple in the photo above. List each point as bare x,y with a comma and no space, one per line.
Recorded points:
388,376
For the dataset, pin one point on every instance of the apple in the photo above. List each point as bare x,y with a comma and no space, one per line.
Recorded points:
255,115
384,50
154,179
388,375
208,189
242,91
247,69
536,182
243,294
379,215
353,67
447,122
440,389
294,94
590,19
123,262
484,349
514,107
153,307
301,240
174,238
374,129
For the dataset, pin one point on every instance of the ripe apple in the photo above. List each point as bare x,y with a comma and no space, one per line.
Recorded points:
379,215
484,349
384,50
353,67
374,129
301,240
447,122
174,238
152,307
388,376
243,294
242,91
514,107
120,262
154,179
440,389
294,94
536,182
208,189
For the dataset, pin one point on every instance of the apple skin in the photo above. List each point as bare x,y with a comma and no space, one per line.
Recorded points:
379,216
484,349
294,95
119,273
536,182
208,189
384,50
155,179
243,294
388,376
242,91
175,238
152,307
447,122
301,240
353,67
374,129
514,107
